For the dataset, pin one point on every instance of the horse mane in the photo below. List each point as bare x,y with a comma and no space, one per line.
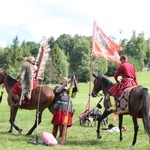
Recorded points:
106,81
10,79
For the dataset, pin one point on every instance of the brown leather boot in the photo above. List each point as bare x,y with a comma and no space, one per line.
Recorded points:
16,98
54,132
113,104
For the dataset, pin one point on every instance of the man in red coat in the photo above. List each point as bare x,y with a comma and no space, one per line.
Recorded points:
129,79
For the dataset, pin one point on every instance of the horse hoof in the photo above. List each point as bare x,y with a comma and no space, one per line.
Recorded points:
28,134
99,137
10,131
132,145
20,131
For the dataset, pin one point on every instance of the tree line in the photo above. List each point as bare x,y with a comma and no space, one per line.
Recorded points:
72,55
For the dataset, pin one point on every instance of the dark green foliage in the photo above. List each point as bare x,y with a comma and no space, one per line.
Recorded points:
100,65
65,43
80,58
59,61
112,67
72,55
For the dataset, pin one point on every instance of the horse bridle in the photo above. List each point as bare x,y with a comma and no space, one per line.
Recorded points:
98,94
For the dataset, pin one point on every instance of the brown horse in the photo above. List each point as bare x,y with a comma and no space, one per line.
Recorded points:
42,97
139,102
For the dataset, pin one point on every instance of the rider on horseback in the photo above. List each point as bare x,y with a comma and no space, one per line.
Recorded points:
129,79
22,89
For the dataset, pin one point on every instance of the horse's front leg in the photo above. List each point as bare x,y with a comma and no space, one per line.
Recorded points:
136,127
98,130
104,115
13,112
11,129
37,122
120,125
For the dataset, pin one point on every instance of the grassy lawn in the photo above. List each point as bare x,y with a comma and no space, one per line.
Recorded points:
78,137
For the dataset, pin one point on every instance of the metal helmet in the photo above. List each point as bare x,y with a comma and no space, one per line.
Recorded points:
63,80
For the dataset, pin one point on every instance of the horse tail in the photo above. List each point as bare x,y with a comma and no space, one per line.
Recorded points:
146,110
1,96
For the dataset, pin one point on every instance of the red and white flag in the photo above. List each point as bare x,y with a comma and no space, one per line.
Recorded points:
103,46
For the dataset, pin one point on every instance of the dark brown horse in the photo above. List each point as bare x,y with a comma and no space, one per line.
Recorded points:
42,97
139,101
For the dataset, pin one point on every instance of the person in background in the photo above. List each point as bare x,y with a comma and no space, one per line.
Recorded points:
114,119
61,105
22,89
129,79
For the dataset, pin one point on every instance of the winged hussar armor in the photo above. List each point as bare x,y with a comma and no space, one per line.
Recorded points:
26,79
36,70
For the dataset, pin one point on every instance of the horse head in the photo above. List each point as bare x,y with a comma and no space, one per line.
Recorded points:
97,86
101,83
2,76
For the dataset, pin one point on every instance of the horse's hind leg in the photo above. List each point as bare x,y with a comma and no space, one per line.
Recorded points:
136,127
120,125
37,122
13,112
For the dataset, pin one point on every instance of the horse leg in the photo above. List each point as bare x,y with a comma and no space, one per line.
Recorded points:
104,115
13,112
37,122
98,130
120,116
11,129
136,127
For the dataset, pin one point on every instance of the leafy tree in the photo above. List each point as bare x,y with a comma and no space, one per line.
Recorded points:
72,54
147,60
59,61
64,41
14,50
33,47
136,48
80,58
112,67
99,65
25,50
51,42
131,46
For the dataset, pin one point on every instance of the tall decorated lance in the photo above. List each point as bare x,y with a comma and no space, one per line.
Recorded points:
63,138
42,57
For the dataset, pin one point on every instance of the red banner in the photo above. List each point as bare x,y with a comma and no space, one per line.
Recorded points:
103,46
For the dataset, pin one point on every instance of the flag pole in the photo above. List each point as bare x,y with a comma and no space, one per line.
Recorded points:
102,46
90,75
90,71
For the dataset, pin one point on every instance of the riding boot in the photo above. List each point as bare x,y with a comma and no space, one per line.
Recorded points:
60,130
16,98
54,132
113,104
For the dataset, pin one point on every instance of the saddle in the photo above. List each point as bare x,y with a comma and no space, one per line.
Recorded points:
16,100
122,102
26,101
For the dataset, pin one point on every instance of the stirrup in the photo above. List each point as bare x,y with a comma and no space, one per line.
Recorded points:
111,109
16,105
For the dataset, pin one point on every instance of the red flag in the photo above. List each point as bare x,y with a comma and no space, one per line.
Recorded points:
103,46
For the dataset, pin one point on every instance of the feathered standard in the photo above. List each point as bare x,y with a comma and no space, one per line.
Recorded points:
42,58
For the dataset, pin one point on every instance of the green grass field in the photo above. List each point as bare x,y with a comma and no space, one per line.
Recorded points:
78,137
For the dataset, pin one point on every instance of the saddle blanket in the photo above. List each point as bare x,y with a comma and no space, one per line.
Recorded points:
122,102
